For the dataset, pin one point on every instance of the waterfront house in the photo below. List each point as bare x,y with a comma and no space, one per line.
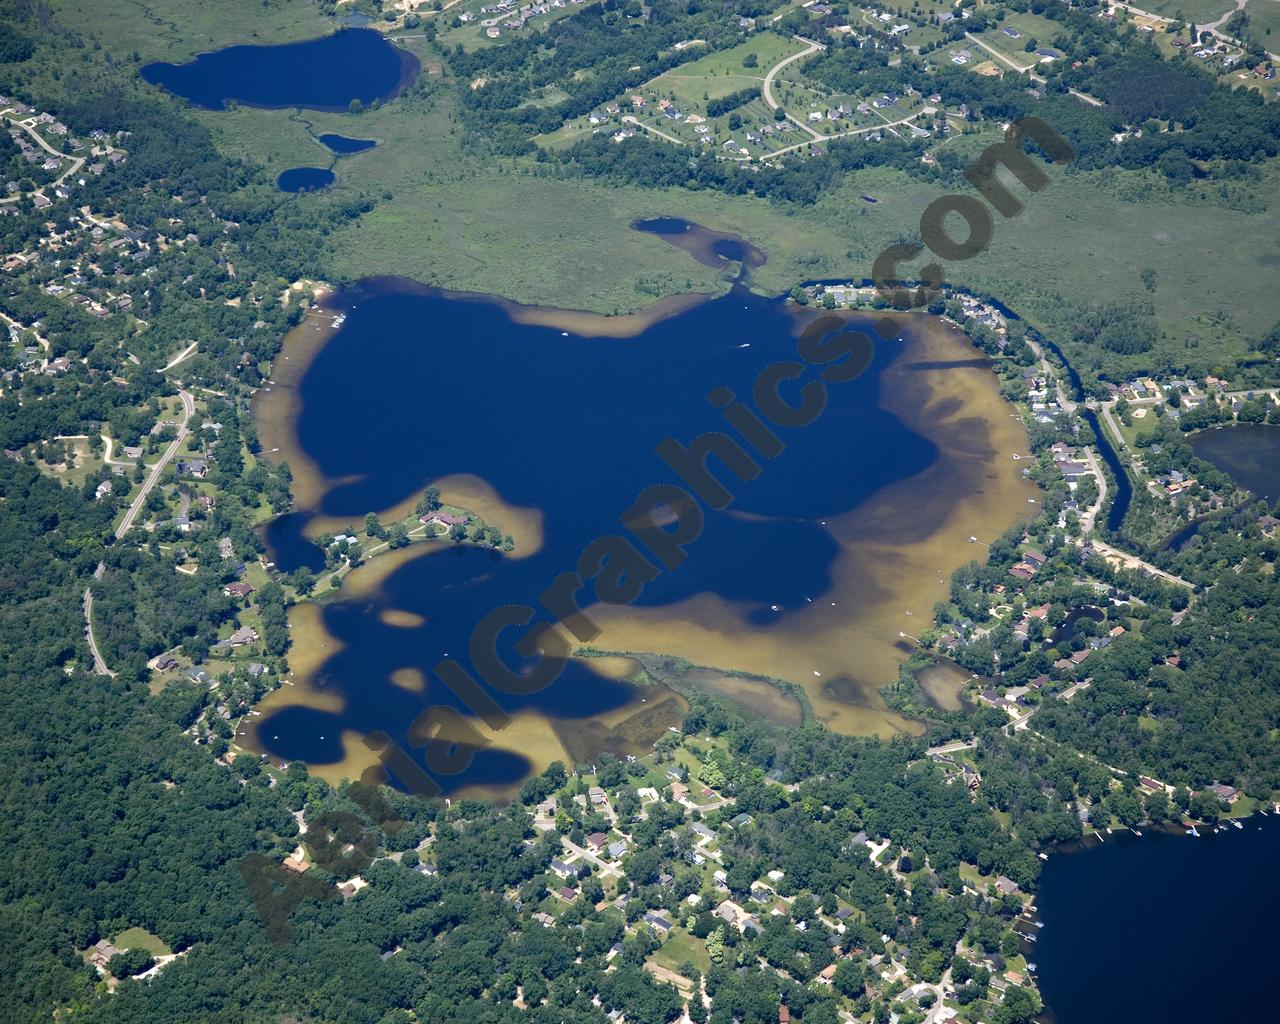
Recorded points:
442,518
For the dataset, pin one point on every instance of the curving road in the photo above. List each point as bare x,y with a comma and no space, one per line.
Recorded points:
99,664
126,524
1211,27
766,91
76,161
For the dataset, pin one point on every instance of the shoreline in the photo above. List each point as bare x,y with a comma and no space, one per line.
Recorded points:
894,550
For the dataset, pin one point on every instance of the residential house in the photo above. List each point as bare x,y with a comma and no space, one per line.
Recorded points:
658,921
1227,794
562,869
243,635
442,518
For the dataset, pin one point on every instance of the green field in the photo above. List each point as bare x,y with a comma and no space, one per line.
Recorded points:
1264,22
471,35
448,217
1199,11
175,30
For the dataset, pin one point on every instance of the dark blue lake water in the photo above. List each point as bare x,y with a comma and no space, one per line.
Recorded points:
1166,929
305,179
344,145
321,74
418,386
1249,452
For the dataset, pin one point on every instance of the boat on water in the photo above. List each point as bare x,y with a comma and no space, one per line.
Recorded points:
1192,831
1237,825
1031,967
1031,938
1043,856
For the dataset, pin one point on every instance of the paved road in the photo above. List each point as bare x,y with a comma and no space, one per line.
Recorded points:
1134,562
1038,79
767,90
126,524
188,410
1089,518
954,747
841,135
629,119
99,665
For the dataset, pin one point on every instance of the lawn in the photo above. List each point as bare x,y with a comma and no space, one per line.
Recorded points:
1028,27
140,938
682,946
176,30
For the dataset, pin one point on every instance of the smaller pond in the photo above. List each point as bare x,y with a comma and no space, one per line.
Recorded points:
708,247
1248,452
305,179
1068,628
343,145
943,684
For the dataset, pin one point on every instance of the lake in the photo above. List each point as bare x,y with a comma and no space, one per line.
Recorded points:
343,145
1248,452
304,179
1165,929
320,74
544,422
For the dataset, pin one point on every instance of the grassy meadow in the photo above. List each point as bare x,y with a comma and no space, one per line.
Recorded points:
176,30
449,215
